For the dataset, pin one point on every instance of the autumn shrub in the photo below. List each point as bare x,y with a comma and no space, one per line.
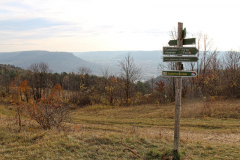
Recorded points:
84,100
49,112
24,89
74,98
96,99
80,99
86,96
18,109
3,94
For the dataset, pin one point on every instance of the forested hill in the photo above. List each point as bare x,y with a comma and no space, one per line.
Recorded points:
7,67
57,61
10,70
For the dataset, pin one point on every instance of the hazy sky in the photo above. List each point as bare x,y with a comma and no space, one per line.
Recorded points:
111,25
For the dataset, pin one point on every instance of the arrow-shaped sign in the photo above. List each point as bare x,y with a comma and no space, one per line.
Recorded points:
180,51
179,73
188,41
180,59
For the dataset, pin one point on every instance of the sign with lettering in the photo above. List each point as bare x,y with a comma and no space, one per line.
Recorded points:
180,50
180,59
179,73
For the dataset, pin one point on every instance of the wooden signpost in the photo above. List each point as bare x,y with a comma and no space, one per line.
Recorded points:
179,50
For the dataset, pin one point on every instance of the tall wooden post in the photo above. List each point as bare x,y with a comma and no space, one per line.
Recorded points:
178,95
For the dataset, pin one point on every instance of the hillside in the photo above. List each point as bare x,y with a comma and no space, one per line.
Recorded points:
5,67
58,61
148,61
96,56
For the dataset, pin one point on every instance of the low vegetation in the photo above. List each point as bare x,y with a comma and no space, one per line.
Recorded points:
135,132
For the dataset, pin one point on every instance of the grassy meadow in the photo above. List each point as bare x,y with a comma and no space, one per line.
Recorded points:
209,130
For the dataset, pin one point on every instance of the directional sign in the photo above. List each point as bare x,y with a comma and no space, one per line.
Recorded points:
180,59
179,73
179,51
172,42
188,41
184,32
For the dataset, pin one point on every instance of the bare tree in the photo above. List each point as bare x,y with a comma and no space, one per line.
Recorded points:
38,79
173,33
206,58
105,73
130,74
171,66
207,62
232,73
84,70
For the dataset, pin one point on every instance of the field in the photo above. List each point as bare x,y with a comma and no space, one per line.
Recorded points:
209,130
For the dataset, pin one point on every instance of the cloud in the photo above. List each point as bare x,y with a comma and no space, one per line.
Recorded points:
14,10
18,44
108,24
17,5
104,26
27,24
4,11
151,31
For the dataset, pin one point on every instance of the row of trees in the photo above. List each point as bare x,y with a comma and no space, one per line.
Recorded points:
216,77
81,87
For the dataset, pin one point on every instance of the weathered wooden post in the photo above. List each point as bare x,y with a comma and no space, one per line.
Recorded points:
178,51
178,95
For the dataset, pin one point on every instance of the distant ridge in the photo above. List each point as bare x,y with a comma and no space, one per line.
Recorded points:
58,61
96,56
148,61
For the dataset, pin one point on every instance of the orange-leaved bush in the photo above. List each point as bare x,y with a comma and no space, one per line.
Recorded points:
24,89
57,89
160,86
49,112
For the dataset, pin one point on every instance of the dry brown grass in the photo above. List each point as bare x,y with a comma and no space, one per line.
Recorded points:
212,108
105,132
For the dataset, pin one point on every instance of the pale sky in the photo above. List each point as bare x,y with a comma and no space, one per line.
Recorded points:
112,25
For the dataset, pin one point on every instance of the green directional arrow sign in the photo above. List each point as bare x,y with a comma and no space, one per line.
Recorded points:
180,51
180,59
188,41
179,73
184,33
172,42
